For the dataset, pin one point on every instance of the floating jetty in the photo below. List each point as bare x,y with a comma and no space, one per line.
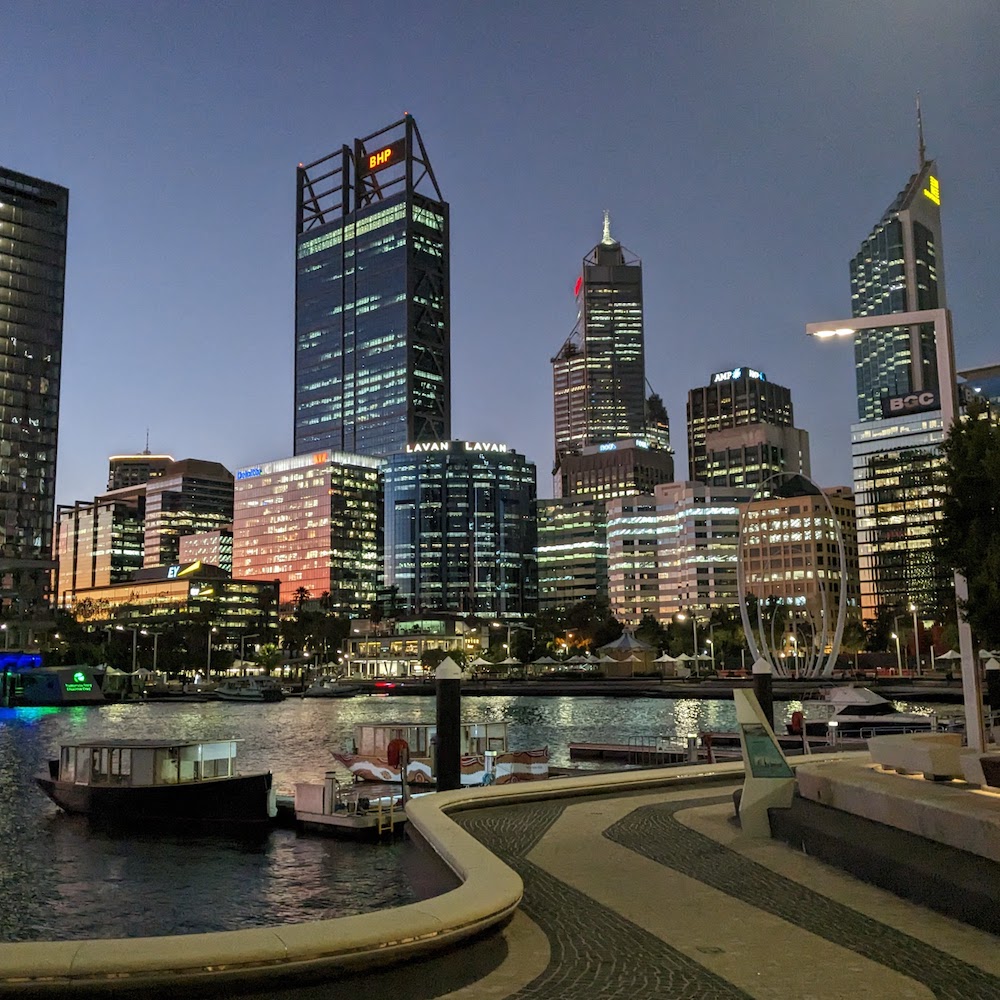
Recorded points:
332,809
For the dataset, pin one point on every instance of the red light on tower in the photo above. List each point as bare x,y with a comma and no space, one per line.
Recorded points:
578,286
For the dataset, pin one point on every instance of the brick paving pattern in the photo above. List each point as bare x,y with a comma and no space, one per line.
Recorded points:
655,833
595,953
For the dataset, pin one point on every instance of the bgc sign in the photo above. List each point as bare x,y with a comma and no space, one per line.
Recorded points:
915,402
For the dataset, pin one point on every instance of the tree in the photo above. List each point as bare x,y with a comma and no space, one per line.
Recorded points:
268,656
970,523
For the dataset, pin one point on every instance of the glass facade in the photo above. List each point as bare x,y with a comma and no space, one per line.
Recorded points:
191,496
312,521
742,397
372,313
572,551
460,530
98,543
599,379
33,216
897,460
899,269
899,485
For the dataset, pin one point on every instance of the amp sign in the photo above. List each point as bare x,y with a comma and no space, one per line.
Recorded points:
915,402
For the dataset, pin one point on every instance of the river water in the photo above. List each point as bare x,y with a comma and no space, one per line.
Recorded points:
62,879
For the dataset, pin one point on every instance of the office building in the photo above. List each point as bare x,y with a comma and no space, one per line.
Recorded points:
791,553
372,313
741,430
982,383
616,469
898,477
599,374
460,530
99,542
211,548
633,529
572,551
33,217
189,497
134,470
699,528
313,522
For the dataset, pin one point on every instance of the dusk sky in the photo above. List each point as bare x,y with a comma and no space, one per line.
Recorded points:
743,150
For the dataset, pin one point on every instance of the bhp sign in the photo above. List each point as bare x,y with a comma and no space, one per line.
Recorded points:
915,402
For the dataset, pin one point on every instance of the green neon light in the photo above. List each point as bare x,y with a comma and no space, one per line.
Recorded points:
79,677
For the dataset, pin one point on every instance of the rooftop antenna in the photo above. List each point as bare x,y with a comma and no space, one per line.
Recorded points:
922,149
607,239
146,452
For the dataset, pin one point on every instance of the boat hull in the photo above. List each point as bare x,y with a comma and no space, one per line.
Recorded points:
243,800
511,766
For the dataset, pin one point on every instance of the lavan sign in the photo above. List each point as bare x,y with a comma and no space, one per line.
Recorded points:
915,402
431,446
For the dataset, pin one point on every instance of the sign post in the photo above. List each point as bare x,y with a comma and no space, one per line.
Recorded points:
448,680
769,781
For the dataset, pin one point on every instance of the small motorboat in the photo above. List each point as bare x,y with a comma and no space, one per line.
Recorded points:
327,687
485,756
249,689
158,782
860,713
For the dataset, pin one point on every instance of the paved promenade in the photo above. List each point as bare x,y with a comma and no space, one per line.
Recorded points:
657,896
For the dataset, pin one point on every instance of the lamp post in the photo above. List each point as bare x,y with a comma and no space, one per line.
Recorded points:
156,640
6,635
899,656
135,641
694,636
208,667
916,636
243,639
711,647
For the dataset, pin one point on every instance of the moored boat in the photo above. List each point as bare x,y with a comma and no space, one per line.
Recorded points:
158,782
328,687
249,689
485,756
861,713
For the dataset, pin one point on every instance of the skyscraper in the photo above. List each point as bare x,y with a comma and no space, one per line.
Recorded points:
372,313
33,215
741,430
896,443
599,374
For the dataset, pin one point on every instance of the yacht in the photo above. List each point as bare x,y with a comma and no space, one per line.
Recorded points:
249,689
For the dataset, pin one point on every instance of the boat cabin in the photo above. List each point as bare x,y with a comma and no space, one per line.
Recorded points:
476,738
139,763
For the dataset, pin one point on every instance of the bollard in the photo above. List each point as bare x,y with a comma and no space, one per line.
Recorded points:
693,749
448,680
764,690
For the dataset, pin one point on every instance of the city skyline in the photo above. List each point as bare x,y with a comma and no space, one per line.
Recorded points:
742,189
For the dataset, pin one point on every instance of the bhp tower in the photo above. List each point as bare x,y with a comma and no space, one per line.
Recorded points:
372,316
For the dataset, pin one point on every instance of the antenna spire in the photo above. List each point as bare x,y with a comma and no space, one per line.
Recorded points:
607,239
146,452
921,148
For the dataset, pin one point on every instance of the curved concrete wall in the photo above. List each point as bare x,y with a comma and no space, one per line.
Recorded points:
488,896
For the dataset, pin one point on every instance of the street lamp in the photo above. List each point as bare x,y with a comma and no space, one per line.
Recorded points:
681,617
916,636
711,646
135,641
6,636
208,668
899,656
156,638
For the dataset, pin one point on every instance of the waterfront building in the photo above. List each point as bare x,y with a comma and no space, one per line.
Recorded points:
698,530
134,470
372,299
215,548
896,444
572,551
189,497
394,648
33,218
460,530
741,430
312,521
791,554
599,375
195,596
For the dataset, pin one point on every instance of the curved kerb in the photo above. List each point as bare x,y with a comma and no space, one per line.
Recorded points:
213,963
